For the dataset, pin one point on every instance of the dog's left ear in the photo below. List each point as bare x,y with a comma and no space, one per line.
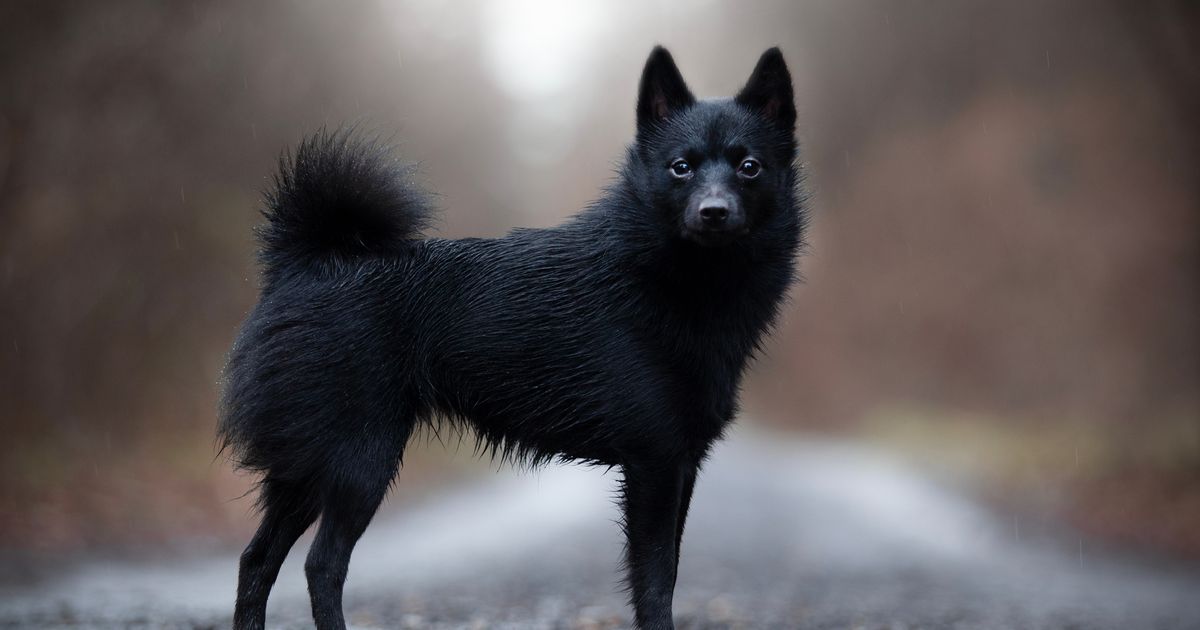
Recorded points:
662,91
769,90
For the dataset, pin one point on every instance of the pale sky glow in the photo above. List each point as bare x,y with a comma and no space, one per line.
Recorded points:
541,54
535,48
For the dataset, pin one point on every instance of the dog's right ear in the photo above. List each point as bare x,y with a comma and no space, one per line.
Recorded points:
662,92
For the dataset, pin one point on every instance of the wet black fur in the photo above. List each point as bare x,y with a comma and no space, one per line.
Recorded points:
610,339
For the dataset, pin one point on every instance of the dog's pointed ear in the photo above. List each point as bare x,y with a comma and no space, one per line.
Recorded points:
662,92
769,90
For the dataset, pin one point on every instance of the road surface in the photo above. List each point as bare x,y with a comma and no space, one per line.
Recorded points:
784,533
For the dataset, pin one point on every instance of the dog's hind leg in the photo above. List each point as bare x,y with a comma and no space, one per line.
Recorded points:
651,500
288,510
353,494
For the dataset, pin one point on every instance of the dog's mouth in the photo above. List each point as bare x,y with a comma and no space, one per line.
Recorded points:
714,237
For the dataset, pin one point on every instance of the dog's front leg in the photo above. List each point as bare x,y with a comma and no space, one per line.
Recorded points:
651,501
685,501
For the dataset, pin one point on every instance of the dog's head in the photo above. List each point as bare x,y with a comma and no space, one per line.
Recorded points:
717,170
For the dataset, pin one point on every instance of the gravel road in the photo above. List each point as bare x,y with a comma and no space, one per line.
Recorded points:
783,534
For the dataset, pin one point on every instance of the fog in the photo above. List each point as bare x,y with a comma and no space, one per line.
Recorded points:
1000,284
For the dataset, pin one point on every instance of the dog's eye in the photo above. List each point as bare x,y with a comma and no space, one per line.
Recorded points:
681,168
749,168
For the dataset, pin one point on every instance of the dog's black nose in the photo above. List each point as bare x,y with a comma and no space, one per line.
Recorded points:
714,214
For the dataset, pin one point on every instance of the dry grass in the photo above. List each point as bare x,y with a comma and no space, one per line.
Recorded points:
1121,483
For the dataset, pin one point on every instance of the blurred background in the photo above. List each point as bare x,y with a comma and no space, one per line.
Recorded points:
1001,283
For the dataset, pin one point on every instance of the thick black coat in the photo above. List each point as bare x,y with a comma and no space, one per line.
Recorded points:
610,339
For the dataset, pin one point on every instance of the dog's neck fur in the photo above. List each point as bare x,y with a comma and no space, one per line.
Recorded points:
706,309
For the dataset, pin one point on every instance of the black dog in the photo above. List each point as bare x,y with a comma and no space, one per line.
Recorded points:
618,338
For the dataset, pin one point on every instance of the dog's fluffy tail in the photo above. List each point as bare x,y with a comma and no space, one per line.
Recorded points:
340,195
